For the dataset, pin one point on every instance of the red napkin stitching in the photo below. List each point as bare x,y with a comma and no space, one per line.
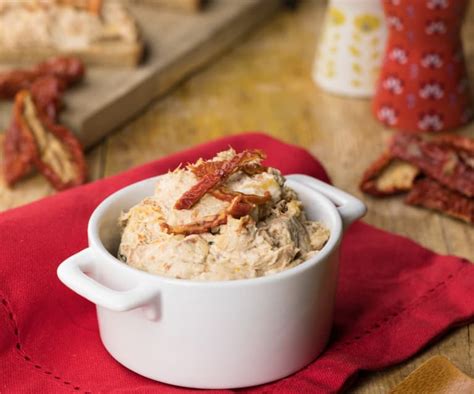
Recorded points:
21,352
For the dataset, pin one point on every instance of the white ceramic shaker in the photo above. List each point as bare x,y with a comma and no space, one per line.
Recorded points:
351,47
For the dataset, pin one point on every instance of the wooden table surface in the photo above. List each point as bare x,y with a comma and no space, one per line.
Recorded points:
265,84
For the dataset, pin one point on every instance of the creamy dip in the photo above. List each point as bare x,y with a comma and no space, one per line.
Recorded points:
273,237
44,24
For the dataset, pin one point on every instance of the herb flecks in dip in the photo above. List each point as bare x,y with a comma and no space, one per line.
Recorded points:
222,219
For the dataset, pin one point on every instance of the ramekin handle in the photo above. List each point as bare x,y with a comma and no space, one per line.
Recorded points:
72,272
349,207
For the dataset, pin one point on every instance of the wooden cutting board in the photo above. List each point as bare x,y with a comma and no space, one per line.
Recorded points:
177,45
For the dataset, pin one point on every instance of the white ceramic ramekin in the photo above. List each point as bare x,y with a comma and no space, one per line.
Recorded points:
212,334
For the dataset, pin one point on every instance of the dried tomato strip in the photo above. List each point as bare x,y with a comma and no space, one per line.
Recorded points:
74,148
237,209
456,142
57,153
11,82
92,6
217,175
388,176
207,167
464,147
430,194
46,92
19,149
228,195
200,227
437,160
68,70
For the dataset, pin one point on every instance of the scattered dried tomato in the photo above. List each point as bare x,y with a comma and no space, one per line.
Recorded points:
225,194
207,167
437,160
430,194
457,142
446,161
68,70
237,209
200,227
216,175
19,150
387,176
52,148
92,6
46,92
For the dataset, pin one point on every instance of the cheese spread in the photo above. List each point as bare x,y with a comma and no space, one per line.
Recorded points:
273,237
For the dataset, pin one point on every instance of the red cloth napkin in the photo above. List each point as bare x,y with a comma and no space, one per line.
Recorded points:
393,298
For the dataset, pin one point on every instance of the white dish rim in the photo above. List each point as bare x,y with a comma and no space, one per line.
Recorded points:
96,244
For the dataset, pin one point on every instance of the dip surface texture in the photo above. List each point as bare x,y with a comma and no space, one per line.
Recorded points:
275,235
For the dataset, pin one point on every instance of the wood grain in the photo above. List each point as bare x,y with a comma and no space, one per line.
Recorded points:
265,84
437,376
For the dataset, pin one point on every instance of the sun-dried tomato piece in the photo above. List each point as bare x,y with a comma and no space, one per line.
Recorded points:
46,92
212,174
437,160
200,227
216,176
12,82
462,145
19,150
225,194
237,209
68,70
57,153
456,142
207,167
92,6
430,194
387,176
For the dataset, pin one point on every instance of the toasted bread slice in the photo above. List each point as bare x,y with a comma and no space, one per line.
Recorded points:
32,33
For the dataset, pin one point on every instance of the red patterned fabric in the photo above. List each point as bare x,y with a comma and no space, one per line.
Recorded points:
423,85
393,298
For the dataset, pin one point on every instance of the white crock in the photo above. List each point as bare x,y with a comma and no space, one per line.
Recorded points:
212,334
